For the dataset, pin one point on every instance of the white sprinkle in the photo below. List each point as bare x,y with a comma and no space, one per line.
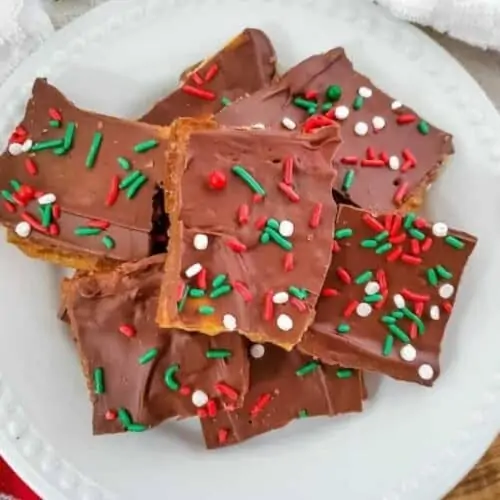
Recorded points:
199,398
229,322
193,270
280,298
399,301
372,287
361,128
425,372
257,351
440,230
363,310
435,312
408,353
365,92
27,145
286,228
394,163
288,123
15,149
284,322
47,199
200,241
378,122
23,229
395,105
341,112
446,291
258,126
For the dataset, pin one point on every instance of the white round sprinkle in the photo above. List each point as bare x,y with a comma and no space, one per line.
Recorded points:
361,128
341,112
257,351
288,123
193,270
258,126
395,105
199,398
284,322
15,149
229,322
425,372
446,291
440,230
408,353
378,122
365,92
372,287
200,241
28,143
47,198
363,310
435,312
399,301
23,229
286,228
394,163
280,298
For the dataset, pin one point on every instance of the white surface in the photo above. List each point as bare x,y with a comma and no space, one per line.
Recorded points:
411,443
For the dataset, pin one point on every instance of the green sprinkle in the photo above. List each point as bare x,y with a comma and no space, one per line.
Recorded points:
388,320
343,328
399,334
334,92
346,232
169,378
327,106
388,345
417,234
248,179
371,299
358,103
369,243
46,211
364,277
397,314
87,231
206,310
95,146
300,293
124,163
300,102
344,373
182,302
16,185
136,428
54,123
265,238
454,242
219,280
218,354
225,101
196,293
413,317
136,185
348,180
148,356
98,381
312,110
303,414
443,272
383,235
273,223
409,220
145,146
69,137
307,368
219,292
423,127
129,179
108,242
7,196
383,248
44,145
124,417
432,278
278,239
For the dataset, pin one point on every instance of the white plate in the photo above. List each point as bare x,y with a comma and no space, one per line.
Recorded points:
411,443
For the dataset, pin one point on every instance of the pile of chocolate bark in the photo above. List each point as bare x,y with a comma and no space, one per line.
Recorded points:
245,249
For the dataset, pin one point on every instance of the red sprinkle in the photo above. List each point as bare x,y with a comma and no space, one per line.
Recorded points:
217,180
243,290
407,165
370,153
222,435
194,91
415,297
350,160
113,191
330,113
372,163
201,279
381,303
236,246
197,79
447,306
243,214
409,156
211,408
260,404
127,330
33,222
100,224
110,415
316,215
288,170
415,246
400,193
397,220
260,222
268,305
394,255
181,287
185,390
54,229
351,307
288,262
406,118
397,240
420,223
311,94
55,114
9,206
413,331
329,292
19,199
426,245
211,72
373,223
411,259
298,304
384,157
30,166
344,275
227,390
419,308
388,222
382,279
289,192
257,198
335,246
56,210
202,413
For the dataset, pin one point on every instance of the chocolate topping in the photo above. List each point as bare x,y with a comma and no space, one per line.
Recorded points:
244,65
406,149
388,294
284,386
255,256
149,372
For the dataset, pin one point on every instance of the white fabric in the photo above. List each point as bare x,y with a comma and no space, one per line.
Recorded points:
24,24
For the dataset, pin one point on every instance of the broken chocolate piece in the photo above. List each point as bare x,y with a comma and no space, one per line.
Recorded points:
284,386
254,257
388,294
389,154
244,65
138,375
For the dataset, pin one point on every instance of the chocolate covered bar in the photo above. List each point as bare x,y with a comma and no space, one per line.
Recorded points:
251,231
284,386
388,294
244,65
77,187
389,154
138,374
